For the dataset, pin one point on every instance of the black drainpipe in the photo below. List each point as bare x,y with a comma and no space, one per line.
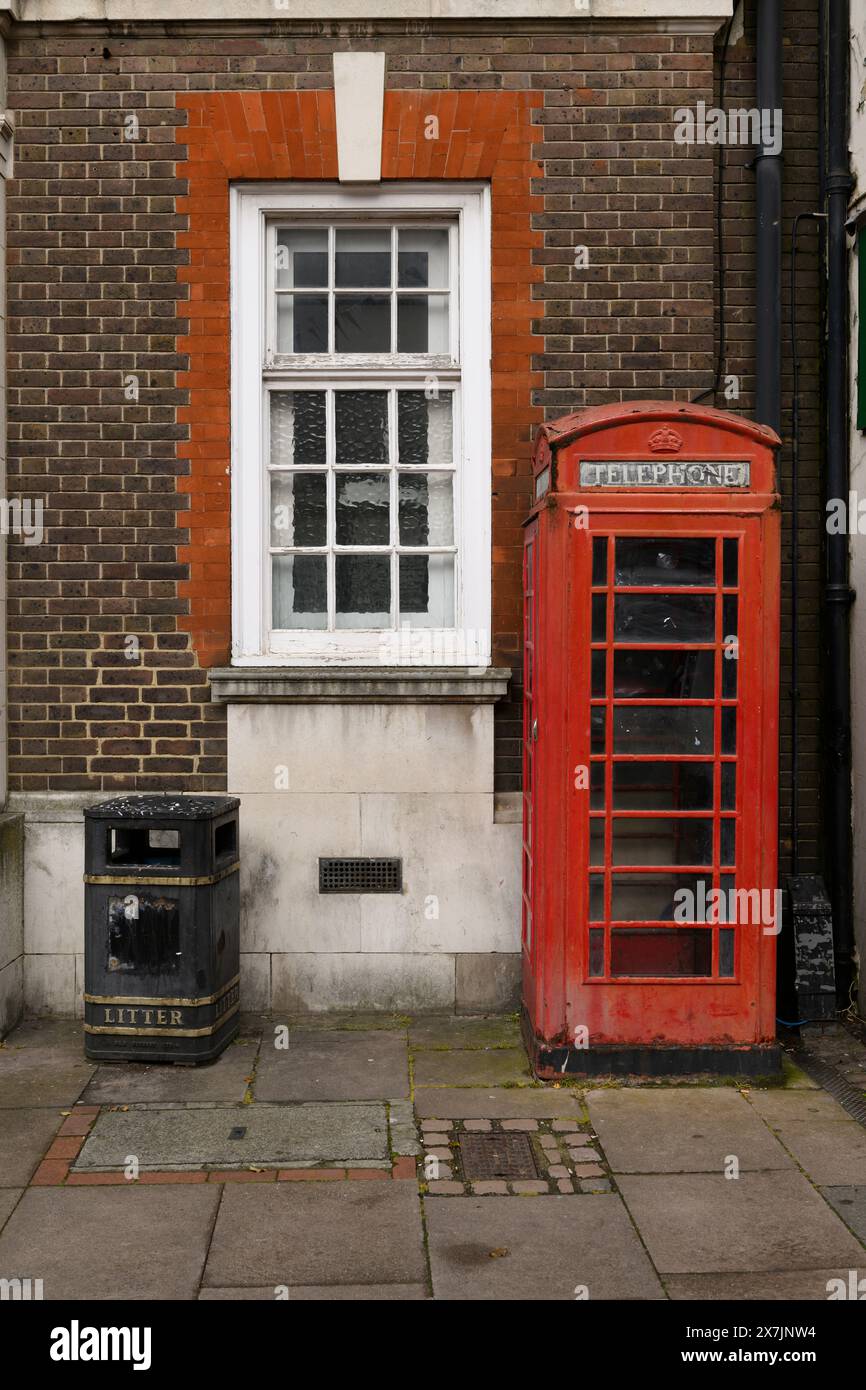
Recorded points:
768,207
838,595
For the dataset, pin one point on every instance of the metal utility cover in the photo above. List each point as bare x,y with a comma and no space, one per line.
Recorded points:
497,1156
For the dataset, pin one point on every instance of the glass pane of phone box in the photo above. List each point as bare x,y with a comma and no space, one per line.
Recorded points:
670,953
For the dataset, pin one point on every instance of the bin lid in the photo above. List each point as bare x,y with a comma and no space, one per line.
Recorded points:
159,807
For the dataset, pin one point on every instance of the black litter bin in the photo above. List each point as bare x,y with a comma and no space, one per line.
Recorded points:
162,941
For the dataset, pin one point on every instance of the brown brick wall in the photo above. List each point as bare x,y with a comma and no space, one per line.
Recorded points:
637,321
800,194
94,266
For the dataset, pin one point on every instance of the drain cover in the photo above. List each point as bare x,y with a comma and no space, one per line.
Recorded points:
833,1081
497,1156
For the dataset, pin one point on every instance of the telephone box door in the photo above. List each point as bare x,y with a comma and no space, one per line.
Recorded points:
677,907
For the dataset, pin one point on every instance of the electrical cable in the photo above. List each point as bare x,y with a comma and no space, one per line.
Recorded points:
801,1022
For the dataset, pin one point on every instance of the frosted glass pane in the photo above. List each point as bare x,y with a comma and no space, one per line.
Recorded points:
363,509
362,426
424,428
299,591
297,427
363,591
426,509
427,590
298,509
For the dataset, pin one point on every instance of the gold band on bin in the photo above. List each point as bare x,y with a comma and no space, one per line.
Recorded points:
163,1032
161,1003
130,884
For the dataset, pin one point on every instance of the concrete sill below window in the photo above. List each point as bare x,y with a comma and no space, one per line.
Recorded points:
360,685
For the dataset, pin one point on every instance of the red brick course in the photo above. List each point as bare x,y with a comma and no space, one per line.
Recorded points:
404,1168
50,1173
76,1124
65,1148
185,1178
311,1175
243,1175
99,1180
292,135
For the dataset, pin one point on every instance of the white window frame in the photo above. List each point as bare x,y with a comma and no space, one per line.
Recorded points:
252,210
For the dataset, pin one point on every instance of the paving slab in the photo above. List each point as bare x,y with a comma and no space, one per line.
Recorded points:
780,1286
492,1067
681,1130
449,1032
328,1293
61,1034
43,1063
702,1223
8,1197
825,1141
850,1203
251,1026
273,1134
338,1065
498,1103
24,1137
404,1135
139,1083
346,1020
110,1242
334,1233
544,1248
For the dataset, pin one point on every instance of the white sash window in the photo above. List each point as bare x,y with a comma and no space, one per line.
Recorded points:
361,424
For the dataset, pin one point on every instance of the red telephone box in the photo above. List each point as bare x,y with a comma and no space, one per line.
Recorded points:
650,910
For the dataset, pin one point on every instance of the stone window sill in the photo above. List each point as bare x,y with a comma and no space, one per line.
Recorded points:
362,685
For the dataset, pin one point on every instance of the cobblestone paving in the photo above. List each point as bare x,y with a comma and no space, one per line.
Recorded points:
567,1157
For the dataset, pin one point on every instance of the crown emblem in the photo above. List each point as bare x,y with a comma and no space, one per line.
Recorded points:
665,441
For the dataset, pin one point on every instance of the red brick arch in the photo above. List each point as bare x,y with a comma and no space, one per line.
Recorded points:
292,135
